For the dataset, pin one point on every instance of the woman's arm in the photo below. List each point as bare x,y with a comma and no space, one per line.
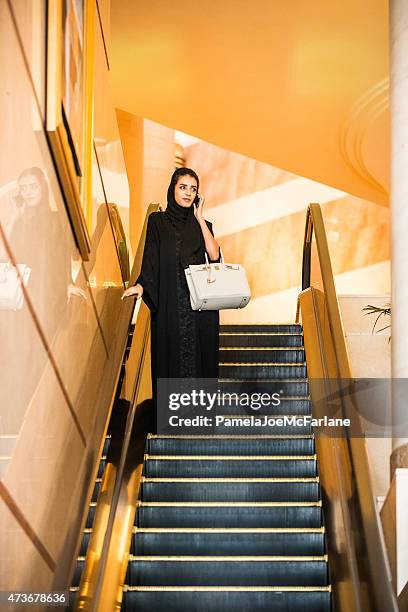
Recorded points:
211,245
147,284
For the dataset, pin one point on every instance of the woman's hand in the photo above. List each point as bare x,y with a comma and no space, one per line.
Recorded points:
198,210
74,291
136,291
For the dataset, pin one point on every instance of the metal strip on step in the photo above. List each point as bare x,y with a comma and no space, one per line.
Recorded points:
260,334
264,380
268,504
227,437
254,530
230,457
261,348
230,589
300,364
234,559
232,480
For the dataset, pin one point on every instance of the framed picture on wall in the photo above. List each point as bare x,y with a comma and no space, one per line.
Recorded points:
69,107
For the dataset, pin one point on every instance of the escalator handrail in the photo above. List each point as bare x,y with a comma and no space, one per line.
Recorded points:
95,562
379,570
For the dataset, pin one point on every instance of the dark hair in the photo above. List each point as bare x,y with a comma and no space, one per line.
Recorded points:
40,176
183,172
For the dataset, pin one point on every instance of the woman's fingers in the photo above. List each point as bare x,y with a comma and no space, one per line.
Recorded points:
198,210
133,292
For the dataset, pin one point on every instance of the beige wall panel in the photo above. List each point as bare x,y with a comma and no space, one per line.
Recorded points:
80,355
370,357
21,565
38,476
357,233
158,162
57,290
106,136
31,21
270,253
226,176
17,104
355,320
102,269
279,307
25,360
374,278
131,135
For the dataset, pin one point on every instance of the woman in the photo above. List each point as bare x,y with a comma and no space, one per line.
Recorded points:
184,343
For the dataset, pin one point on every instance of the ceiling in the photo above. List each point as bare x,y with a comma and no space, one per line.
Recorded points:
301,84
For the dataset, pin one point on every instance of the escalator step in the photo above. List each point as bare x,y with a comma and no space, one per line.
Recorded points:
106,445
211,541
79,568
91,516
102,466
254,339
256,354
286,406
238,571
85,542
224,600
253,424
196,466
239,515
230,446
97,488
255,371
183,489
286,388
283,328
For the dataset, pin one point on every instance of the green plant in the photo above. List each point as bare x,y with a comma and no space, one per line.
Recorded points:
384,311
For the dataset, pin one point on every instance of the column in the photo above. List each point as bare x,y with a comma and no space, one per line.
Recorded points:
399,223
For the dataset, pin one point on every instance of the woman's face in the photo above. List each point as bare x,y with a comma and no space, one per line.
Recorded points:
30,190
185,190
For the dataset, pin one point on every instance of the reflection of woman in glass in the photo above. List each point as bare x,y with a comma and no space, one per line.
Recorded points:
37,240
32,189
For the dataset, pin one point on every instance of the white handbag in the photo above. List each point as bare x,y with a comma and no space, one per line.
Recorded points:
11,293
217,286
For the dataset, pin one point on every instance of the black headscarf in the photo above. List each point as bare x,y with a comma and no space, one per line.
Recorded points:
183,219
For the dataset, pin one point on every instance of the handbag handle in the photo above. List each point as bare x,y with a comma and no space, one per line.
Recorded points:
208,266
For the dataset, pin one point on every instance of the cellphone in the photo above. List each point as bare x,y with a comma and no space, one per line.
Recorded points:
197,200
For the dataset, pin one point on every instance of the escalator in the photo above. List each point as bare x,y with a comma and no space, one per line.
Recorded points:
278,519
234,522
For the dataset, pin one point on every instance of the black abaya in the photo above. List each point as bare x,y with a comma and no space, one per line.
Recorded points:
184,342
